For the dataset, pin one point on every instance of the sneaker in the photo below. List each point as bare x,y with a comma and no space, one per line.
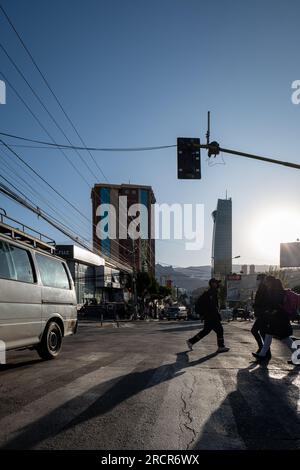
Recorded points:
292,363
258,357
222,349
189,345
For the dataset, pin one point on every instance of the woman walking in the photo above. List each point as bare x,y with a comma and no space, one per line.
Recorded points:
277,323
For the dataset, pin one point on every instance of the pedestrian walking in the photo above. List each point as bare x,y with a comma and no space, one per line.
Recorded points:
260,312
278,323
208,307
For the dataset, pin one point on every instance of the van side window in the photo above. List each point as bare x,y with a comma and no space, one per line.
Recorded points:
5,272
53,272
15,263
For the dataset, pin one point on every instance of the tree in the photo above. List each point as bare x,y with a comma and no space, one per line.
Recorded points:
146,284
165,291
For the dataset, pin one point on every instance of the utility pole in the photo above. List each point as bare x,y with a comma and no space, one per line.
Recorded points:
134,282
135,306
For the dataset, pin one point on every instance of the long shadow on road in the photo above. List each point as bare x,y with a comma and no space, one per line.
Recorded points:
264,410
117,391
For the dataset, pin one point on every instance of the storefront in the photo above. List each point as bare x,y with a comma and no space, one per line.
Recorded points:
86,269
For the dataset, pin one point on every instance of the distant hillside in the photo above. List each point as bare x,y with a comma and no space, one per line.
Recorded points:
192,277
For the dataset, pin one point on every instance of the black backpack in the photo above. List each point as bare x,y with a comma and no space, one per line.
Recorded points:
200,304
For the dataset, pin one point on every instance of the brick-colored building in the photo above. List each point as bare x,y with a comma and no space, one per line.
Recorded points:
119,246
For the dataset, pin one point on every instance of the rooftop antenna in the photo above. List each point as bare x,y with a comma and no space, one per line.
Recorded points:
213,147
226,194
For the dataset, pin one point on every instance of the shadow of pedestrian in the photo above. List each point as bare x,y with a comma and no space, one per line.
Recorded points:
263,414
116,391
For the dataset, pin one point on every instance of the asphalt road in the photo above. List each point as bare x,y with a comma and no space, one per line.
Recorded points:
136,387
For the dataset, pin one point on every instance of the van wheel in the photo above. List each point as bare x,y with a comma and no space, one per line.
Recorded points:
51,343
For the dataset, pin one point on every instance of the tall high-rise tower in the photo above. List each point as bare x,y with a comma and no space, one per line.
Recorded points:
222,239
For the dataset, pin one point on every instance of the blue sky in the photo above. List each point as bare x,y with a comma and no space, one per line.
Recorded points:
141,73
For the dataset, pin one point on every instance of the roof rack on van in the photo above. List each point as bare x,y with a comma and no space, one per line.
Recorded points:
25,234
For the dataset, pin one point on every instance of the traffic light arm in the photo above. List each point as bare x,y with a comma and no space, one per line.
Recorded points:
214,149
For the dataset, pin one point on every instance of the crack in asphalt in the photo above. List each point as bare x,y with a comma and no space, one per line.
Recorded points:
186,412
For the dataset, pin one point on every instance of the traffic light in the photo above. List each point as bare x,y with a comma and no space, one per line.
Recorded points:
188,158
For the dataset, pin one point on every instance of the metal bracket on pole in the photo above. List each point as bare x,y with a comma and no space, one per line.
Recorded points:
208,128
214,149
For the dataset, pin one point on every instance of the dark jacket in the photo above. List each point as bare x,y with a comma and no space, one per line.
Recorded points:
261,301
207,306
278,323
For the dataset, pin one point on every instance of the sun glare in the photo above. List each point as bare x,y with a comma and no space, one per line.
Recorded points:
274,228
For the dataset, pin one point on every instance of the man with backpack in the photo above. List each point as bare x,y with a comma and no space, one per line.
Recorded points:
208,307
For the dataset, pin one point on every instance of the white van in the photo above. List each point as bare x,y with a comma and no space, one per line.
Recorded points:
38,304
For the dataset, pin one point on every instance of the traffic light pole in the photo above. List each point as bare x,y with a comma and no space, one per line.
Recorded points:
214,149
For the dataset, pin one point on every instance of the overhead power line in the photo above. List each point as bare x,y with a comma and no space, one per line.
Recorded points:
44,128
48,86
45,107
113,258
210,147
43,179
28,200
55,190
94,149
34,191
30,205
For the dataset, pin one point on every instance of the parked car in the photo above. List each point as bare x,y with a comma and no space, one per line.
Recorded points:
177,313
226,314
38,305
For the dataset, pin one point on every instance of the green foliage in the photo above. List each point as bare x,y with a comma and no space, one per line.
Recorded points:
165,291
146,284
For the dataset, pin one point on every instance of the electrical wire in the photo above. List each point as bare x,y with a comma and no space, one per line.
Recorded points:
31,202
58,102
27,186
44,106
207,147
94,149
48,86
39,122
38,98
34,180
44,128
31,206
70,161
